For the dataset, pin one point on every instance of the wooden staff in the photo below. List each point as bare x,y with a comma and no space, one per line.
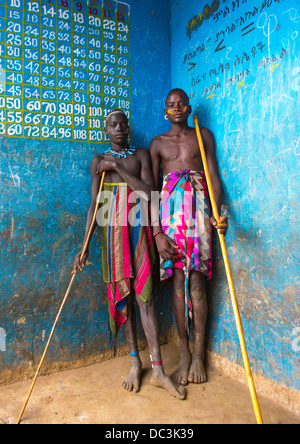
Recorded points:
230,281
64,300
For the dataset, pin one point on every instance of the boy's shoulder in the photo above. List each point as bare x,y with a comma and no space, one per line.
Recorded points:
141,150
95,162
206,132
97,158
157,141
208,137
142,153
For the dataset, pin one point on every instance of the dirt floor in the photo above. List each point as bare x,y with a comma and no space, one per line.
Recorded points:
94,395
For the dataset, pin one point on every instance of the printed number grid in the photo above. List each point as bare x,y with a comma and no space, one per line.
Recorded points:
64,65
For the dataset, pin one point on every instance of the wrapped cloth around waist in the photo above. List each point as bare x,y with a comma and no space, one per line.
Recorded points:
185,214
127,248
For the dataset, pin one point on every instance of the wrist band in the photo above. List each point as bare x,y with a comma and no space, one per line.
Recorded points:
155,363
160,232
134,353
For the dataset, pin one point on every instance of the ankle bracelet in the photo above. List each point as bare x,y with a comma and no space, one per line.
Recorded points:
155,363
134,353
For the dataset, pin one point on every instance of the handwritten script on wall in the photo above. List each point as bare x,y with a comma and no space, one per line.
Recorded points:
235,44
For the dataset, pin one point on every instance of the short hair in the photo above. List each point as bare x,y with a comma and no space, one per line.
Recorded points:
178,90
115,111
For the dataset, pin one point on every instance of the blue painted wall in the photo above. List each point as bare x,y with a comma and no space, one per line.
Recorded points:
45,195
240,67
239,62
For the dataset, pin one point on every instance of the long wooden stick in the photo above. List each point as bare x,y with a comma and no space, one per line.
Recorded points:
230,282
64,301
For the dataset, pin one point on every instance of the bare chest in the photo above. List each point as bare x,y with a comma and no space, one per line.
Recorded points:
131,164
185,151
180,153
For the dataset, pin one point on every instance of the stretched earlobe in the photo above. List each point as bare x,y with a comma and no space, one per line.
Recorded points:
166,117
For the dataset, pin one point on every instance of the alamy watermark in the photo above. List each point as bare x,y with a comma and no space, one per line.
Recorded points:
135,208
2,340
296,339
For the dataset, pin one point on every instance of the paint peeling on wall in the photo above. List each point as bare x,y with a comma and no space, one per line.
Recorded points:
198,19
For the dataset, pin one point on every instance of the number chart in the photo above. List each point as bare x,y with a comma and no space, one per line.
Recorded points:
64,65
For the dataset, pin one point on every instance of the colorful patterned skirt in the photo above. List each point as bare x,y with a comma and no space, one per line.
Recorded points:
127,249
185,213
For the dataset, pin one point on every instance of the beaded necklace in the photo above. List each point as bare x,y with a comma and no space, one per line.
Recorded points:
122,153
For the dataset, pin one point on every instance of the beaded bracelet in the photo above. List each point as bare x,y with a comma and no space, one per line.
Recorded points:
160,232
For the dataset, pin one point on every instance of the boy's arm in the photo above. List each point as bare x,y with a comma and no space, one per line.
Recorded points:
95,189
155,161
146,170
165,246
209,144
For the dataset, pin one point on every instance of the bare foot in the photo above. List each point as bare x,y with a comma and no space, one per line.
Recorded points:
180,376
160,379
197,373
132,382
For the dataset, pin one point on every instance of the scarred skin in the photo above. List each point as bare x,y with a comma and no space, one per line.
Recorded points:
136,171
178,150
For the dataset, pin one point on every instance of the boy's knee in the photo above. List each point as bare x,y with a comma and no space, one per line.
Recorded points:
179,293
198,293
145,306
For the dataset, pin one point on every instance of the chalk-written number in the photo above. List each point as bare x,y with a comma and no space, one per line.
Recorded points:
32,30
14,27
14,130
96,135
109,24
33,7
96,21
13,65
10,103
14,39
50,35
14,117
15,4
122,27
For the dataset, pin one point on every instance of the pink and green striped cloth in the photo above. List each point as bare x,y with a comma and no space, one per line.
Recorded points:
127,250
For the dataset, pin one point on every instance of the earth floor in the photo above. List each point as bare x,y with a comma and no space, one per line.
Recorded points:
94,395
